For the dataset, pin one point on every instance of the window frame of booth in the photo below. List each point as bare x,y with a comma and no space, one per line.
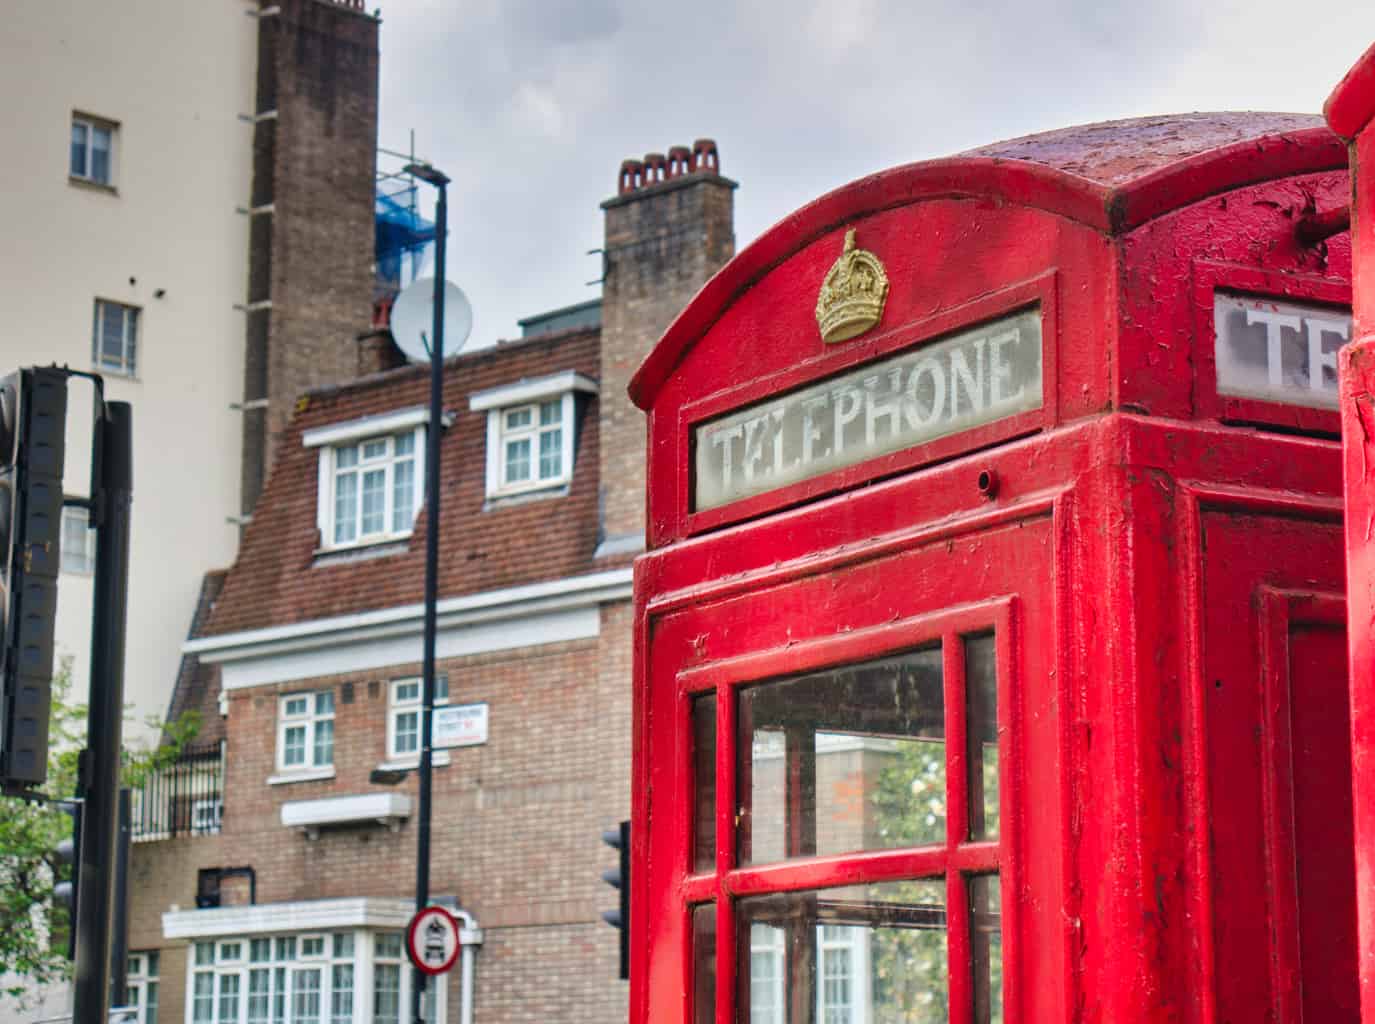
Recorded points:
956,861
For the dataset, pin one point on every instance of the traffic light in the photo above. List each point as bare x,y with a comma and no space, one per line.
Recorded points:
69,856
620,917
33,420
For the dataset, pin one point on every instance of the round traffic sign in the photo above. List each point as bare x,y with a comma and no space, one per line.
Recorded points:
432,940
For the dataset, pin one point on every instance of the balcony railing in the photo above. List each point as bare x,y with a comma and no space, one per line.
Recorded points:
184,798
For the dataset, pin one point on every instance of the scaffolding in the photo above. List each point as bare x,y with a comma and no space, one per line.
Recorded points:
402,234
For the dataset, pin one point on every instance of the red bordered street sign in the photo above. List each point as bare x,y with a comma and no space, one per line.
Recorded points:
432,940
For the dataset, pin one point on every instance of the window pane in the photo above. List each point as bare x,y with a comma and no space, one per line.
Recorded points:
153,960
441,689
79,137
296,706
130,339
259,994
205,952
374,501
294,747
324,702
229,999
846,759
344,458
407,732
517,418
313,946
704,761
305,996
550,412
859,953
517,461
981,689
100,155
324,743
405,444
343,945
388,944
375,449
341,995
704,963
345,508
408,692
203,998
403,496
551,454
260,951
150,1009
986,937
386,993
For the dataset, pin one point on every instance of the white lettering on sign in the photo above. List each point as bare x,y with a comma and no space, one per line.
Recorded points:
1278,351
459,725
964,380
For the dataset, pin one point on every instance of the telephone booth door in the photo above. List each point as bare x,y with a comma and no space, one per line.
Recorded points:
855,831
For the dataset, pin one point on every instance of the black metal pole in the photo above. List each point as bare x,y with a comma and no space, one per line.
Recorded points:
119,943
433,434
105,718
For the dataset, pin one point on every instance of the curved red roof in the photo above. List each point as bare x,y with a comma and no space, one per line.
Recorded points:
1112,176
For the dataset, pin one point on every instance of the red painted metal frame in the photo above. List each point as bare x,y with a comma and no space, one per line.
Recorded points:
1349,110
1210,277
836,359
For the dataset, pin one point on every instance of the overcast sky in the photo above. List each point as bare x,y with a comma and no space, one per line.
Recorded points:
530,105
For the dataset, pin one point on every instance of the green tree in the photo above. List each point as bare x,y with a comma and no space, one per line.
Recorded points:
31,830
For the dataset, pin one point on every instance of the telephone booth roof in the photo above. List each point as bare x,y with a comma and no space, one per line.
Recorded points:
1111,177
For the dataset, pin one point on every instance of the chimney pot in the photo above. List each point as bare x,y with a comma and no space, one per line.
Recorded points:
705,156
632,176
654,168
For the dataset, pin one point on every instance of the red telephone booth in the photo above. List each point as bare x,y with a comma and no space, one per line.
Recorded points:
990,644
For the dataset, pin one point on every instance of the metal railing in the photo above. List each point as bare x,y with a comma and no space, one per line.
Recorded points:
183,798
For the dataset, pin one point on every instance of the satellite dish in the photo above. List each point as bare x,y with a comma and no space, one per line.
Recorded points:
412,319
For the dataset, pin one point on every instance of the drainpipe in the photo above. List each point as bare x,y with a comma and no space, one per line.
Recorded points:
469,937
1350,112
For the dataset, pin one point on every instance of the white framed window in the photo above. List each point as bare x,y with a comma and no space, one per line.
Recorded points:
305,731
114,337
206,817
403,715
78,542
142,976
320,978
374,489
530,432
842,974
92,155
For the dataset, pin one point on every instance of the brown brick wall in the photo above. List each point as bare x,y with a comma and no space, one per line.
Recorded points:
663,242
318,68
515,832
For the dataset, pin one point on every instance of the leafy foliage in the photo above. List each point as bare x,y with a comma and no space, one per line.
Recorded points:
30,956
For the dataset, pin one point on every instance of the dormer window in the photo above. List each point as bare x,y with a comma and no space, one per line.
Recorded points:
530,432
371,478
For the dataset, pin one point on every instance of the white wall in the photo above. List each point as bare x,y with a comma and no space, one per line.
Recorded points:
174,74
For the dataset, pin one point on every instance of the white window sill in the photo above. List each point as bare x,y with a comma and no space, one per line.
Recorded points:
304,775
516,490
410,764
91,183
367,542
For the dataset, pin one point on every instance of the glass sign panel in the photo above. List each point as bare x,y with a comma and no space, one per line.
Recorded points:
1278,351
963,380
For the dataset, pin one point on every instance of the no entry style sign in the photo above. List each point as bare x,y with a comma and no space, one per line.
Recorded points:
432,940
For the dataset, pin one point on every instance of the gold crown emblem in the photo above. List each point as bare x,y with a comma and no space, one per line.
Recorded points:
852,296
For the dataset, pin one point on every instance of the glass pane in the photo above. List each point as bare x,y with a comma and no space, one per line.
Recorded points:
441,689
229,999
260,951
704,963
324,743
550,454
341,995
408,732
343,945
154,958
296,706
112,335
286,949
405,444
551,412
205,952
346,457
78,159
100,155
150,1009
846,759
859,953
402,495
986,937
517,418
279,994
517,461
305,996
345,508
313,946
375,448
704,760
374,501
294,747
203,998
324,702
981,688
259,993
386,992
389,945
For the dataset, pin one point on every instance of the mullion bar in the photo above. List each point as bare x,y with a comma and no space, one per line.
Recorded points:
956,746
726,801
958,949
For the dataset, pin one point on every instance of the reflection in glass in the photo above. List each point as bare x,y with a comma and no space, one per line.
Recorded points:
851,955
847,759
986,937
704,963
704,762
981,688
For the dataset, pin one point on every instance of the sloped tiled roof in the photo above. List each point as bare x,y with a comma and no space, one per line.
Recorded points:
279,577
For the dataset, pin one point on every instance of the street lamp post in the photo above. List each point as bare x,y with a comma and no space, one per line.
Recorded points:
439,180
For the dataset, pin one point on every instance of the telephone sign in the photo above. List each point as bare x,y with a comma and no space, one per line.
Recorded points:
432,940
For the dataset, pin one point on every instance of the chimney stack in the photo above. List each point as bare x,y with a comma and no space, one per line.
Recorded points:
669,228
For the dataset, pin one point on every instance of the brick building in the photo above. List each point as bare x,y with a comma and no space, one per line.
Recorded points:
277,890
